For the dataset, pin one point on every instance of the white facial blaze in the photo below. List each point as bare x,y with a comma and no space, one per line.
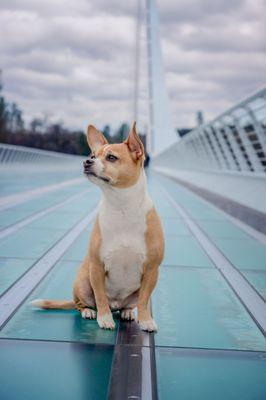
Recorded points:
98,167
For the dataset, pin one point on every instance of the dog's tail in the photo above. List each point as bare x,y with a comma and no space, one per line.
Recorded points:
53,304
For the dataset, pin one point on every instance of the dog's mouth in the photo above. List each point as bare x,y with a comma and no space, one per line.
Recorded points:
89,172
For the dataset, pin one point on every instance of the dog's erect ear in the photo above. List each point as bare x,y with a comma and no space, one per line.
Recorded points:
95,138
134,143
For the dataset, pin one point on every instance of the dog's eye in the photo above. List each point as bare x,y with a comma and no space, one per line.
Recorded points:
93,156
111,157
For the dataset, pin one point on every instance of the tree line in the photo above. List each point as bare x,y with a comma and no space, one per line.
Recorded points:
43,135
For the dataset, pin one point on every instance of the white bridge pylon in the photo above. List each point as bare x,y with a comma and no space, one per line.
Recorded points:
157,119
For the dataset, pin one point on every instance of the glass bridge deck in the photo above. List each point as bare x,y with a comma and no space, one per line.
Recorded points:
209,345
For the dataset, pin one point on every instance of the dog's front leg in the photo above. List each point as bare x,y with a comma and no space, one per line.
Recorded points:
104,315
148,283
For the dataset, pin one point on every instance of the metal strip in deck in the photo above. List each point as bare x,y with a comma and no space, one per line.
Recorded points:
133,374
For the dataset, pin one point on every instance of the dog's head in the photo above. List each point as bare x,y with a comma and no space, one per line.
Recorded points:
117,165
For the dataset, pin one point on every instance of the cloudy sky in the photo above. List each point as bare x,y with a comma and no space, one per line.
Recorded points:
73,60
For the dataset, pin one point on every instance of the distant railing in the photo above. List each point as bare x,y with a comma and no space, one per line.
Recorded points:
10,154
234,142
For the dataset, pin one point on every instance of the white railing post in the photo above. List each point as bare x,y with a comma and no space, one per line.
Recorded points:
242,164
250,151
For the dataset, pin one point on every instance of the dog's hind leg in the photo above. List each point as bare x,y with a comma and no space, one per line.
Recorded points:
87,309
83,293
88,313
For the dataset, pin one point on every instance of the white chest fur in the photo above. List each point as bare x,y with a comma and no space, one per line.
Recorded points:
122,220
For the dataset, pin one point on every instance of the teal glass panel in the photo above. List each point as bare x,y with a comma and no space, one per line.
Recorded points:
202,214
182,250
257,280
177,191
85,202
29,243
20,180
196,308
58,220
195,205
158,197
62,325
196,375
40,203
166,211
196,208
89,228
244,254
79,248
51,370
11,269
190,200
51,199
223,229
174,226
9,217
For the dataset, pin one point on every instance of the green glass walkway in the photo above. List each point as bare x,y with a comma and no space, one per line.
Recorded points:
209,302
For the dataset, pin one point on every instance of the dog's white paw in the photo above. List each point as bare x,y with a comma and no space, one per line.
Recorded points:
149,325
88,313
127,314
106,321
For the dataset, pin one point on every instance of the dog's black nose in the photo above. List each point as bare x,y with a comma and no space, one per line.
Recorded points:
88,162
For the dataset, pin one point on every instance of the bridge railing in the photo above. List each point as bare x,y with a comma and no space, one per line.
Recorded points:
19,155
233,142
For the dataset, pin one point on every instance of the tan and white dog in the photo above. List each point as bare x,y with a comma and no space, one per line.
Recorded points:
126,247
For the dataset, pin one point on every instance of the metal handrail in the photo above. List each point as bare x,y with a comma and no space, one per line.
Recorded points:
234,142
12,154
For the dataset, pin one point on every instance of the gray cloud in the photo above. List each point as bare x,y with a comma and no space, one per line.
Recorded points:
74,61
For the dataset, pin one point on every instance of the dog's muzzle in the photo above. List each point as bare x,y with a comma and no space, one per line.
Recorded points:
88,170
87,165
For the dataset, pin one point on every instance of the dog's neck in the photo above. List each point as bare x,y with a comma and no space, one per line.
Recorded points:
125,200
